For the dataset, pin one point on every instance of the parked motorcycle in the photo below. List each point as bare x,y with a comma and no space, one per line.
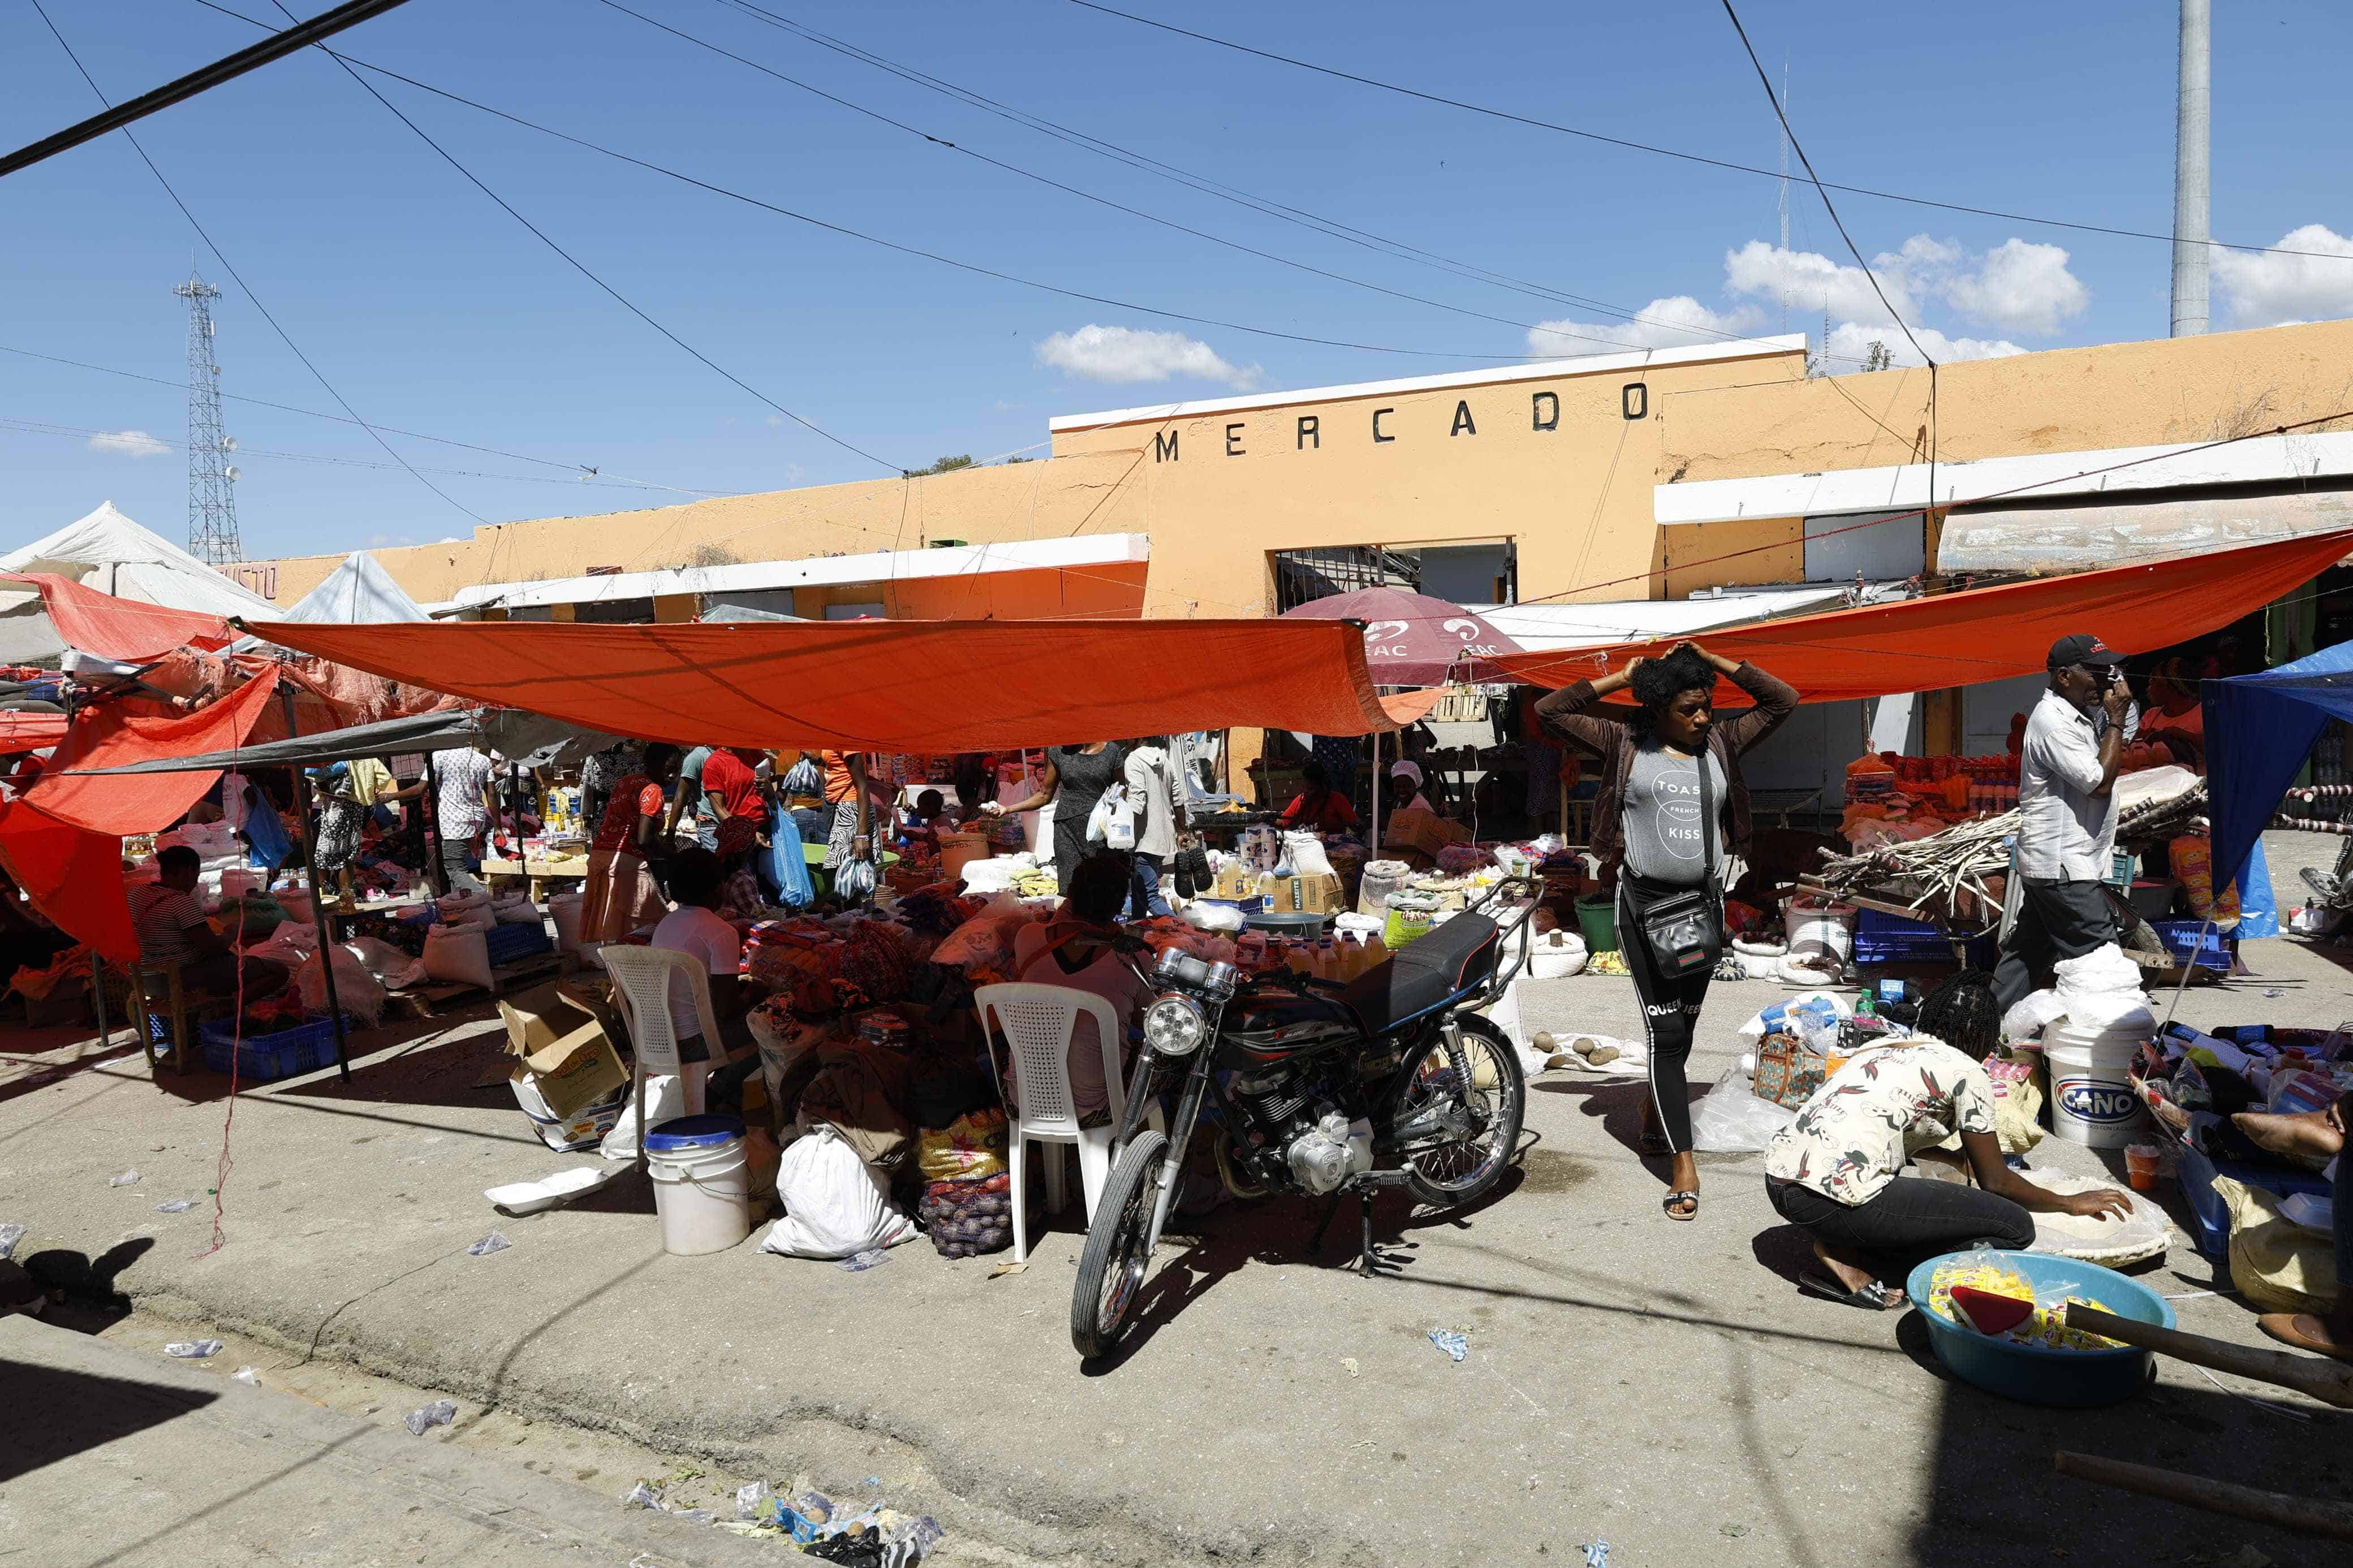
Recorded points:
1317,1087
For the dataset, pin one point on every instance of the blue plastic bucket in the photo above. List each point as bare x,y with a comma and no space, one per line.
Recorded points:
2036,1375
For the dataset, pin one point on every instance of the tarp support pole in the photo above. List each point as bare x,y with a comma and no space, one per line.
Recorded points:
437,876
97,993
319,907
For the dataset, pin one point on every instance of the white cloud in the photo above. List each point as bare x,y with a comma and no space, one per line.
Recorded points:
2020,287
378,540
795,473
1852,340
1675,322
1127,355
2017,287
128,444
774,420
1811,281
2268,289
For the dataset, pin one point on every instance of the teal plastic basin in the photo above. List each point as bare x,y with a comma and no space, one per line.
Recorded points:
2036,1375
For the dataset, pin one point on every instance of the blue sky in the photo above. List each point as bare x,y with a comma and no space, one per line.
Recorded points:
431,309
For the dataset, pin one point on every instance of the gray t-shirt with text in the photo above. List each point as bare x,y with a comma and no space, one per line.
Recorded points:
1663,841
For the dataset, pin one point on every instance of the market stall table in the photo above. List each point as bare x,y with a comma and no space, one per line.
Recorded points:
540,867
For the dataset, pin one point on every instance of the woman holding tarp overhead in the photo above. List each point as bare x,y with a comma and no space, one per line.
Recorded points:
1671,803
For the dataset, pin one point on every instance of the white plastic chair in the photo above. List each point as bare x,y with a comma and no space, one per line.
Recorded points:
641,978
1037,1022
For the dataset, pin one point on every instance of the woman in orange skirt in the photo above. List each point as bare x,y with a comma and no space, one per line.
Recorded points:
621,894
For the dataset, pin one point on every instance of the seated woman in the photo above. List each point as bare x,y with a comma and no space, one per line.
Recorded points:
1318,808
2309,1139
1834,1171
695,928
1074,948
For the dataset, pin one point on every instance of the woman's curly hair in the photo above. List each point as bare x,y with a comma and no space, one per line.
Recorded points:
1659,681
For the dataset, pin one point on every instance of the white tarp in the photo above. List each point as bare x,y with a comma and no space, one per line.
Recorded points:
357,593
109,552
1542,627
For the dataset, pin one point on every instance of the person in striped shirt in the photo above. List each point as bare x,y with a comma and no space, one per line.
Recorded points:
172,930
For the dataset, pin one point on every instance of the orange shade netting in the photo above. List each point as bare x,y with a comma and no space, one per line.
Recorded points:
63,841
1981,634
885,685
126,630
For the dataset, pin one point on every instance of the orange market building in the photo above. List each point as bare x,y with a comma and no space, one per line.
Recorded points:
1607,496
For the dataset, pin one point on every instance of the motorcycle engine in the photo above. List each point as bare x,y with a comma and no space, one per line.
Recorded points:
1330,1150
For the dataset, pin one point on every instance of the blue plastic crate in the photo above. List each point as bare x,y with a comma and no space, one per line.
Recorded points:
1892,939
261,1057
505,943
2181,938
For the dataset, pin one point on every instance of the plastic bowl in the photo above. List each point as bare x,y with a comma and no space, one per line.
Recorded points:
2034,1374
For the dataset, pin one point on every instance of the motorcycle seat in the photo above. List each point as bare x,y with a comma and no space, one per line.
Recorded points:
1456,957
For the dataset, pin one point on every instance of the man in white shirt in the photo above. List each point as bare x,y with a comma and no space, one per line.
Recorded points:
2067,813
695,929
464,806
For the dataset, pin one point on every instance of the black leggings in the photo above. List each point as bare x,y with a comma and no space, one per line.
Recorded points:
1911,1219
1670,1016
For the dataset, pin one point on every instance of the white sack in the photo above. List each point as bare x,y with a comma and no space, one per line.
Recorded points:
834,1204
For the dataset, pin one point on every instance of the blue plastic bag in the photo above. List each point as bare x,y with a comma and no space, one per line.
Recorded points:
787,867
265,835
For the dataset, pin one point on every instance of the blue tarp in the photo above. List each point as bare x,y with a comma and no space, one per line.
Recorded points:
2259,728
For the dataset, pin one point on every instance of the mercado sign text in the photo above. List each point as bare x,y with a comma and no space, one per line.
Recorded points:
1306,431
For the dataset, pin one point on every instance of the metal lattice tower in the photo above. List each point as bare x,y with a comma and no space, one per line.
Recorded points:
211,497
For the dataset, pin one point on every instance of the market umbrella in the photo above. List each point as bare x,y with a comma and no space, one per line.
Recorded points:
1412,639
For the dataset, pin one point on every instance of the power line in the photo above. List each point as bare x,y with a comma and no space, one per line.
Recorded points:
230,267
584,270
326,24
1102,201
1808,164
1673,153
1380,245
974,267
584,471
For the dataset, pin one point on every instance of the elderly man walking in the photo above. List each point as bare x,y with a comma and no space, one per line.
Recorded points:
2067,813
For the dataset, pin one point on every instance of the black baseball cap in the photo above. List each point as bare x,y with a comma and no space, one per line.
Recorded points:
2081,648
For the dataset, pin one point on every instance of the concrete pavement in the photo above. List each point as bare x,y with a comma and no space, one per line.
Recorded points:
1662,1387
112,1458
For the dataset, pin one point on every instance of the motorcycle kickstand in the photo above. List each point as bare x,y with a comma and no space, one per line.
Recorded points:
1372,1262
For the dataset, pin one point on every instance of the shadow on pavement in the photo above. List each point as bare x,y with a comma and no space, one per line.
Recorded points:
57,1413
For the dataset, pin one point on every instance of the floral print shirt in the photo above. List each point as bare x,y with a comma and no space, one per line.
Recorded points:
1856,1133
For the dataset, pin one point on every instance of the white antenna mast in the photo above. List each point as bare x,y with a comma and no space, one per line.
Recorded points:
1784,192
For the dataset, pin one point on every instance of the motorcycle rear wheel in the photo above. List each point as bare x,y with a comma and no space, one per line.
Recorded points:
1113,1266
1488,1080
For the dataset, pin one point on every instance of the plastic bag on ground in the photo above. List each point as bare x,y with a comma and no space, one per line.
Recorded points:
355,989
2030,1014
835,1205
665,1097
440,1413
1733,1120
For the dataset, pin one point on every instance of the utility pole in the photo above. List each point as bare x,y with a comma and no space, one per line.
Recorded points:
2193,136
212,498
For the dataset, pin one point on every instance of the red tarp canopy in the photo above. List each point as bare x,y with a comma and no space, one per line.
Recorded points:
1982,634
1412,639
30,732
883,686
125,630
63,841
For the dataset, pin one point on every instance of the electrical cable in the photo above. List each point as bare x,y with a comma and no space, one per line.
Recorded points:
1690,157
918,251
583,269
1808,164
1333,229
1106,201
222,256
583,470
41,427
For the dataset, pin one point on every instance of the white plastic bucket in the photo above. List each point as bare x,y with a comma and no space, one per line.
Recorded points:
565,909
1821,930
702,1193
2092,1099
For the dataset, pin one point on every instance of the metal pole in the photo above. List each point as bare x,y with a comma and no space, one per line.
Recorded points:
2192,170
319,905
436,877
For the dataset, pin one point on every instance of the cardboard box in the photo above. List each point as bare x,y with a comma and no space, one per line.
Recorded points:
1424,831
563,1036
1319,894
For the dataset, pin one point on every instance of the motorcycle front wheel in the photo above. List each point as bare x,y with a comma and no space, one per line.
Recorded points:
1473,1080
1111,1267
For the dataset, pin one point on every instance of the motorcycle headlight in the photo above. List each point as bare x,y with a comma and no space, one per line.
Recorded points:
1172,1025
